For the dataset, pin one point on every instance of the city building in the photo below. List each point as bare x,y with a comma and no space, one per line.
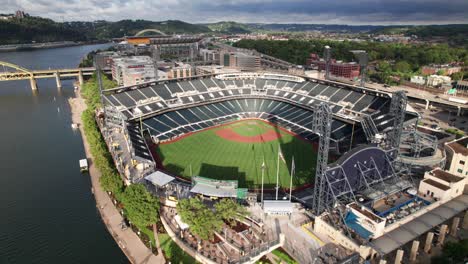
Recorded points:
438,80
133,70
420,80
180,71
441,185
445,69
462,87
209,55
457,157
348,70
240,61
106,59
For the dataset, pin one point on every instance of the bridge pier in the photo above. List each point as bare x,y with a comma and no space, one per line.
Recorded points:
80,78
57,80
33,83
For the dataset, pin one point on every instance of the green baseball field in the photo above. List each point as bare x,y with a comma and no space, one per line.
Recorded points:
236,151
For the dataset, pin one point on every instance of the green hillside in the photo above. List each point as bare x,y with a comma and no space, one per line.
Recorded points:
29,29
229,27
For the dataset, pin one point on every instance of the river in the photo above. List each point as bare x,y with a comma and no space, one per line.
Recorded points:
47,211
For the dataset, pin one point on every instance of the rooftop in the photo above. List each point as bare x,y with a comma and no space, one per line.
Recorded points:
459,146
436,184
409,231
159,178
445,176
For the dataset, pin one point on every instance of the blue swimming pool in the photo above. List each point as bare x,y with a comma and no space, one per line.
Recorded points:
351,221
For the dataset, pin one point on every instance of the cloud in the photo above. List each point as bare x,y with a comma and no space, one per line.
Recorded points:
261,11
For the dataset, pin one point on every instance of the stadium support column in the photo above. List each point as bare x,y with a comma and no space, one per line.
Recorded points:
327,55
428,244
399,256
322,126
454,227
442,233
414,251
398,110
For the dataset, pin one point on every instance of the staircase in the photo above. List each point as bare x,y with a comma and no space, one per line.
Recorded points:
369,127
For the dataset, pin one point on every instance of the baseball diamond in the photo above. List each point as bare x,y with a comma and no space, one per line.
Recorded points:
236,150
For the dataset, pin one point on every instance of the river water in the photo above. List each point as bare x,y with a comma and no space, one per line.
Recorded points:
47,210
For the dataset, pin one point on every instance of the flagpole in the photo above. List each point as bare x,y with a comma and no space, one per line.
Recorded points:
293,167
263,174
277,172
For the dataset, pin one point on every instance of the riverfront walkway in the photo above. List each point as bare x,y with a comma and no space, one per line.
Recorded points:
128,241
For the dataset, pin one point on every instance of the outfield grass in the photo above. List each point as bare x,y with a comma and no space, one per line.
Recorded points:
206,154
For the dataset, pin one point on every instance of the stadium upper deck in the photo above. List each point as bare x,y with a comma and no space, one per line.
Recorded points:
172,108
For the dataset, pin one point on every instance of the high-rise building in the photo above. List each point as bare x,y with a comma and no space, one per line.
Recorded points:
240,61
133,70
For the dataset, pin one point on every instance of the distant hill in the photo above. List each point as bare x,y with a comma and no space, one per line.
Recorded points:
312,27
229,27
28,29
456,34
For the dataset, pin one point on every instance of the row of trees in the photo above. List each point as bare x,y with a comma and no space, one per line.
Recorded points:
140,206
391,59
297,51
203,221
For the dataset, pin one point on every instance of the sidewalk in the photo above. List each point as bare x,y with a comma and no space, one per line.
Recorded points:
128,241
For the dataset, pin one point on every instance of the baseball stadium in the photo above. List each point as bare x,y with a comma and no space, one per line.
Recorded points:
244,126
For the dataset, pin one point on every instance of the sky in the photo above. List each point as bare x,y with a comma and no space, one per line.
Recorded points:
352,12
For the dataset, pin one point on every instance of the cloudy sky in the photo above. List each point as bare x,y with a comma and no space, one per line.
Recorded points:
265,11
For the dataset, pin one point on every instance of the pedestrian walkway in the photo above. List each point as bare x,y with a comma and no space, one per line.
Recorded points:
128,241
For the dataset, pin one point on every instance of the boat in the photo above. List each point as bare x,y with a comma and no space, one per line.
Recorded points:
83,165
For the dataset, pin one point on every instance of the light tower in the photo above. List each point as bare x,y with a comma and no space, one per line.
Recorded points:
327,56
321,125
363,59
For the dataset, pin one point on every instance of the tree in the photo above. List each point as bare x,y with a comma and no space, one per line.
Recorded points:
453,252
229,210
440,72
402,66
201,220
140,205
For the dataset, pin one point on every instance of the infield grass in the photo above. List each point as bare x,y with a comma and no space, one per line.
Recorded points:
209,155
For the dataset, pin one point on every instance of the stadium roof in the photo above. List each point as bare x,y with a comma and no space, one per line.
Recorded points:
405,233
159,178
212,187
277,207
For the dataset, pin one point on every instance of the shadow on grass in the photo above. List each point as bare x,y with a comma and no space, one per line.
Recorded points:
224,173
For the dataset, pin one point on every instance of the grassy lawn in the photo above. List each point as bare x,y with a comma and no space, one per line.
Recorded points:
206,154
284,256
173,252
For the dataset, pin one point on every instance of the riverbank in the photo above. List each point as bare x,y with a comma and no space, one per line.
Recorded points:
128,241
35,46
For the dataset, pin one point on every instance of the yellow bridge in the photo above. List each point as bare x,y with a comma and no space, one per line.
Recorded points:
20,73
